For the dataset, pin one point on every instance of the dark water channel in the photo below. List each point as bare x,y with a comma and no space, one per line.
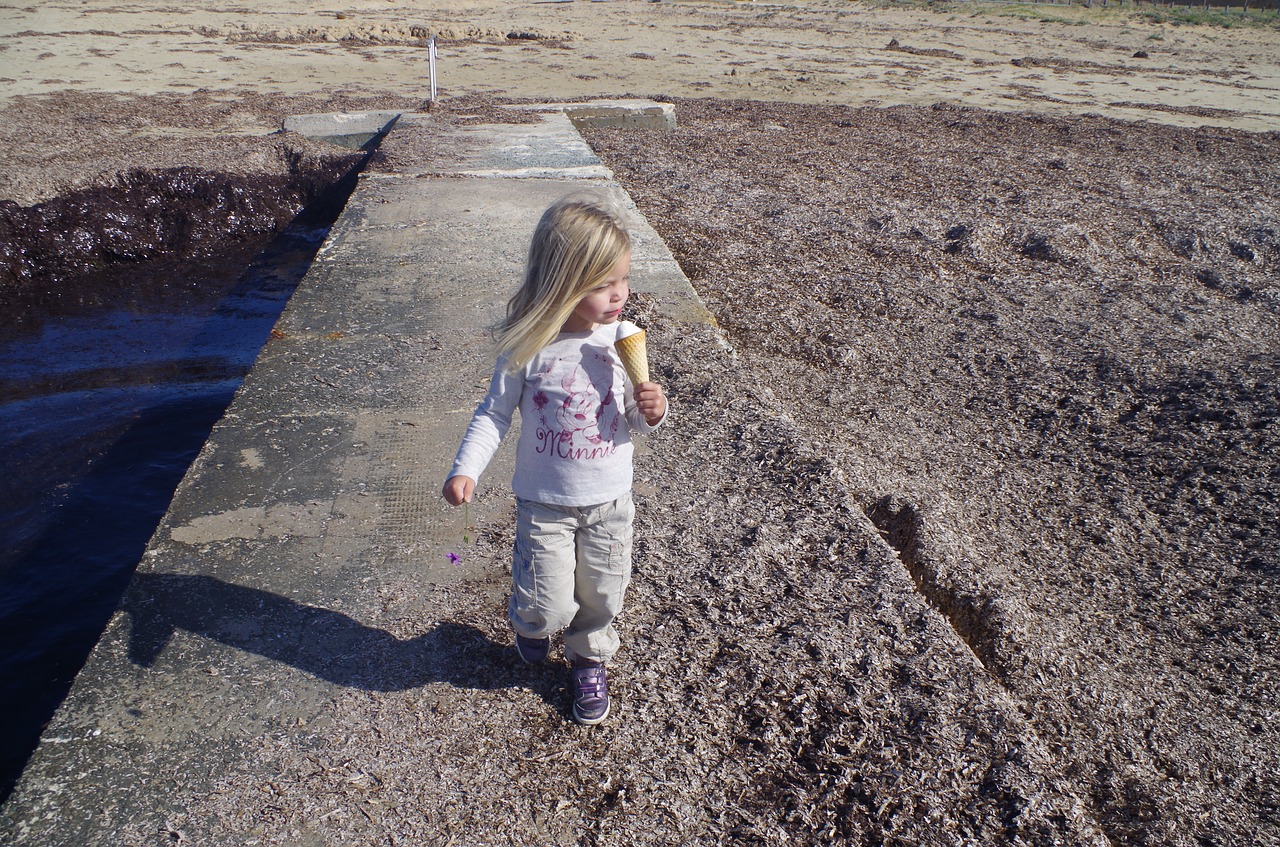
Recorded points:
106,395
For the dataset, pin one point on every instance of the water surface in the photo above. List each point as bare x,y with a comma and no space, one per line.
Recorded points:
107,392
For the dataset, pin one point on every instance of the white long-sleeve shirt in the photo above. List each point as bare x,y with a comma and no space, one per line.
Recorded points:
577,412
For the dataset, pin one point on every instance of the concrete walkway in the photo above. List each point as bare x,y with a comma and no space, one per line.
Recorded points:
322,478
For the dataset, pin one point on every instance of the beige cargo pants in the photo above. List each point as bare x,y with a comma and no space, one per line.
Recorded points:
570,571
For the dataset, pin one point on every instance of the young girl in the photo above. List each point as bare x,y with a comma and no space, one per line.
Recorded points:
557,365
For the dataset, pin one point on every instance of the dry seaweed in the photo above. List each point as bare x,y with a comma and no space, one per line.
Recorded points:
1043,354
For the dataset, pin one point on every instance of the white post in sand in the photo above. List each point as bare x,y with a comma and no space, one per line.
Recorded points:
431,60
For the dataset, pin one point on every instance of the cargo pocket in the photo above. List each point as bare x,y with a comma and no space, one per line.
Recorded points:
619,524
524,583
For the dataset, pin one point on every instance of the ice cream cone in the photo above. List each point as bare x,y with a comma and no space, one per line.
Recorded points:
635,358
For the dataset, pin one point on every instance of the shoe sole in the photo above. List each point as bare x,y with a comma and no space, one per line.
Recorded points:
577,716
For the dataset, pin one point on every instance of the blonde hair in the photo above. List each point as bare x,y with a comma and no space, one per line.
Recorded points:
576,243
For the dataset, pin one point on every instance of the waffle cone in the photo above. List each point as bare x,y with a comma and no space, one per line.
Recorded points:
635,358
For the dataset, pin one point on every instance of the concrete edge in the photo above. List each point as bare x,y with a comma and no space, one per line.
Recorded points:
362,130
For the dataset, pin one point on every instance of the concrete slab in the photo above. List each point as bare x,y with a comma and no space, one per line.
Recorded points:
257,603
355,130
550,149
635,114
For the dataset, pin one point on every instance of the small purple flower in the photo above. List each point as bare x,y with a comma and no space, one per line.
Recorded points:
454,557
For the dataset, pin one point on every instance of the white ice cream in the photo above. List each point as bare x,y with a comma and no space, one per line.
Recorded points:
626,328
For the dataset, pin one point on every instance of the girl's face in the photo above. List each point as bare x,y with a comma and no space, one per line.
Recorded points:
603,304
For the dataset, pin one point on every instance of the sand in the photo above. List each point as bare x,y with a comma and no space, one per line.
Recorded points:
1051,58
91,89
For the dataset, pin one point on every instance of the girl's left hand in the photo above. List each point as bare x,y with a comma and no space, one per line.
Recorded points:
651,401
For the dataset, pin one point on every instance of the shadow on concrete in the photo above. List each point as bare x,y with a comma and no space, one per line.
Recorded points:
321,642
90,456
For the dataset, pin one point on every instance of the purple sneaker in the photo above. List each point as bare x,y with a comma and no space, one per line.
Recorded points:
534,651
590,692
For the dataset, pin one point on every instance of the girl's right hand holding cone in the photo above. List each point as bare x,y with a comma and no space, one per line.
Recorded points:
651,401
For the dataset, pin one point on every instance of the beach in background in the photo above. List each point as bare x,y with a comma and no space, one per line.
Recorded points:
1117,62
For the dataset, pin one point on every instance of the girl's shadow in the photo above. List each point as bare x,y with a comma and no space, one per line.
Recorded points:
321,642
